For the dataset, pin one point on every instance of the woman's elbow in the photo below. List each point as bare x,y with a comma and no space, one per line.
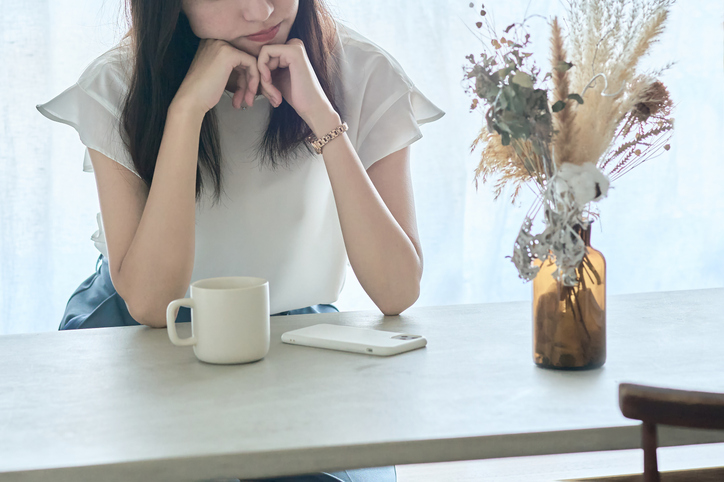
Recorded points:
143,307
146,313
399,302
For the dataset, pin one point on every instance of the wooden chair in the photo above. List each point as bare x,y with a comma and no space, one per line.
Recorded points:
665,406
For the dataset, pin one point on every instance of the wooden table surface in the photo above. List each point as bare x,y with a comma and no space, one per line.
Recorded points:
125,404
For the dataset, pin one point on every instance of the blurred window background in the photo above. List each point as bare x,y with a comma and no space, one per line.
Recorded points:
661,227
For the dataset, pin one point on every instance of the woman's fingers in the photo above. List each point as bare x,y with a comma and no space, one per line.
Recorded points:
247,83
238,99
281,55
252,84
270,60
273,63
270,92
272,100
263,70
274,96
254,81
246,71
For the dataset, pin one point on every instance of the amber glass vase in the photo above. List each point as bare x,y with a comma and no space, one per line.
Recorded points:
569,323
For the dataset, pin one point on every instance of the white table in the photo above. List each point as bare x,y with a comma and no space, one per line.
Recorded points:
124,404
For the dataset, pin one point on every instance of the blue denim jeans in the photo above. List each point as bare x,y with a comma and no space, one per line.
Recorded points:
97,304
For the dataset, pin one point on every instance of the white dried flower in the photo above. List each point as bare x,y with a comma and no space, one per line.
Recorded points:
571,188
584,183
525,250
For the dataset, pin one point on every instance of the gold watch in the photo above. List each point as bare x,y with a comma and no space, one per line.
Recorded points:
319,143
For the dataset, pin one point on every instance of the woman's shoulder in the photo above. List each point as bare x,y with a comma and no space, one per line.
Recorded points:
380,103
93,105
107,77
354,41
363,56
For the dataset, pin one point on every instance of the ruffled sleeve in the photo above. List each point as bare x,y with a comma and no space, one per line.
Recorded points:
92,106
381,105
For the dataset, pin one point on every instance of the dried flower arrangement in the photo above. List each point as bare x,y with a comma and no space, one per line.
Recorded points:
600,119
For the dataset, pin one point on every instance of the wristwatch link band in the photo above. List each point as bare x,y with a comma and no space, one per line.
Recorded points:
319,143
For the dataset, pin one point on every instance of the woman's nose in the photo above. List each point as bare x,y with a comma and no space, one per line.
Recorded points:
257,10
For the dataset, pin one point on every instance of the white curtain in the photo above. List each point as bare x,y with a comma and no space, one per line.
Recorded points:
661,226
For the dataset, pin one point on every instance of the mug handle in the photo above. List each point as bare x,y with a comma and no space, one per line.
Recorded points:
171,322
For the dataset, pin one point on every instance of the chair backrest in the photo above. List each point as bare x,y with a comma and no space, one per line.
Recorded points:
666,406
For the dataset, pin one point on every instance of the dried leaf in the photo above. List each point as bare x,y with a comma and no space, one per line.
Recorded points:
523,79
576,97
558,106
563,66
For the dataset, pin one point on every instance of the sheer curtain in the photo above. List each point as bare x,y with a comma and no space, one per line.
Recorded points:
661,226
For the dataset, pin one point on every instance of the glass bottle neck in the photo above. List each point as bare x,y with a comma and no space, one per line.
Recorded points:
585,234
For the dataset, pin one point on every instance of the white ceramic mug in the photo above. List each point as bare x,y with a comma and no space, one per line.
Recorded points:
229,319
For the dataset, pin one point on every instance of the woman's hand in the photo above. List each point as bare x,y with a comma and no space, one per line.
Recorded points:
209,74
286,71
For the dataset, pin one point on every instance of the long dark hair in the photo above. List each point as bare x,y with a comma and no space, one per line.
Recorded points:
164,46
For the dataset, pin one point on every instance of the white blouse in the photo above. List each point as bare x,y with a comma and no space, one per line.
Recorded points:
281,224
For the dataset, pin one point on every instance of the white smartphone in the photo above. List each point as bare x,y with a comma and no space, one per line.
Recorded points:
353,339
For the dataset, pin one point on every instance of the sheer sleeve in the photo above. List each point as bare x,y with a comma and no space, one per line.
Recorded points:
382,107
92,106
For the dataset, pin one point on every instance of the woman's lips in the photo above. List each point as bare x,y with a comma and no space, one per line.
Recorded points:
265,37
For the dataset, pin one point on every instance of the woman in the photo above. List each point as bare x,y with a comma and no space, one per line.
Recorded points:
197,127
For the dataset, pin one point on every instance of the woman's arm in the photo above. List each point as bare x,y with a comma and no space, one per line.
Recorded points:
377,214
150,233
376,211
